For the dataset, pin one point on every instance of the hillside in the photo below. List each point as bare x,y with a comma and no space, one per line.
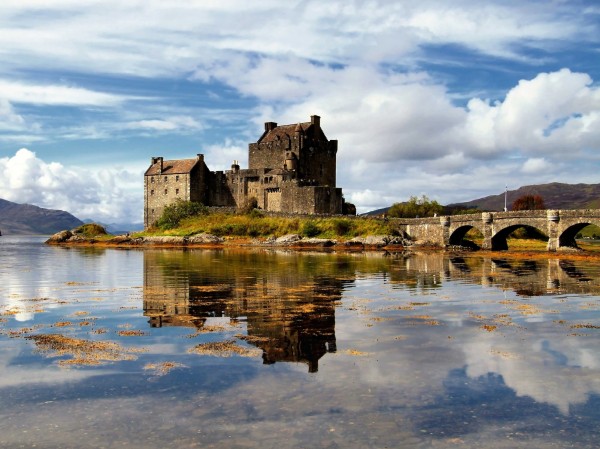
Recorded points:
27,219
556,196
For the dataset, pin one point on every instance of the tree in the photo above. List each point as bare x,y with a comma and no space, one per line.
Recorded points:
529,202
416,207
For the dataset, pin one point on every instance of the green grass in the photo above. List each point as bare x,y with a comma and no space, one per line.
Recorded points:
256,224
91,230
590,231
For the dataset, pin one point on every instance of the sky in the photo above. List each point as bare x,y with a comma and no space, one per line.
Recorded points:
452,100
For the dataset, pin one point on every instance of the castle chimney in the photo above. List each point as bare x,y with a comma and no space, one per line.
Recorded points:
315,120
269,126
155,160
200,157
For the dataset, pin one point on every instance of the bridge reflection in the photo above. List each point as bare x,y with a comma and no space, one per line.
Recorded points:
546,276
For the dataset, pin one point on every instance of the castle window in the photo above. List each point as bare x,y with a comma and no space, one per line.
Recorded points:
151,192
152,179
166,178
176,191
177,178
166,191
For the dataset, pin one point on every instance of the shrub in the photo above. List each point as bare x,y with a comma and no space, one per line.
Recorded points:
174,213
310,229
342,226
255,213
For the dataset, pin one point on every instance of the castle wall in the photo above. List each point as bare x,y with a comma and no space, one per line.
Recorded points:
273,199
219,192
162,190
268,154
317,162
309,200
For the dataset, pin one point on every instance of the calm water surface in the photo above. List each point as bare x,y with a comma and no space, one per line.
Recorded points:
105,348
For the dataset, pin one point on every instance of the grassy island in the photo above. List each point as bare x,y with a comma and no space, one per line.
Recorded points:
185,223
258,225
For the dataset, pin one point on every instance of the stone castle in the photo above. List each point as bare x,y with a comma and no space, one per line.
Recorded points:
291,169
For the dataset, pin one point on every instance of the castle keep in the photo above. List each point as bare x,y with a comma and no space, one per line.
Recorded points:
291,169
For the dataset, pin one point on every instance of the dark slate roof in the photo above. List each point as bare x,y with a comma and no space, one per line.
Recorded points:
172,167
284,131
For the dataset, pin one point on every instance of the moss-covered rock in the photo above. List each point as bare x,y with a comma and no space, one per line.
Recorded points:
89,230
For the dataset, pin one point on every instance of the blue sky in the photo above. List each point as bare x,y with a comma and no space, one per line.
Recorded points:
453,100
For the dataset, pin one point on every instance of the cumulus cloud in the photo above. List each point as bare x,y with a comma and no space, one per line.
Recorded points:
400,133
108,195
221,156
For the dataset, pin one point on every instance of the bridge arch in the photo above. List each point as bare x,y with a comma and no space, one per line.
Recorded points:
457,236
499,238
566,238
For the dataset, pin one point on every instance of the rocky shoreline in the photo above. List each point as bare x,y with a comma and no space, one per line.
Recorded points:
68,238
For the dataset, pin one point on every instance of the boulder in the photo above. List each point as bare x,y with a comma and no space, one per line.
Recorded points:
60,237
288,239
165,240
316,242
120,239
204,239
378,241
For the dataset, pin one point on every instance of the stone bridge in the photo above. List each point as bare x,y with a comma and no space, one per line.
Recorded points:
561,227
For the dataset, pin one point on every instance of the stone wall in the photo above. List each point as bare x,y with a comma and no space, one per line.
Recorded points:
162,190
317,162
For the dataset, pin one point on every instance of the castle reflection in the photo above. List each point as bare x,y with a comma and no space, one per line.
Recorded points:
287,300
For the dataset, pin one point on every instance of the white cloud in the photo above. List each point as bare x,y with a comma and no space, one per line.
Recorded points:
175,123
401,134
220,157
121,37
354,63
535,165
18,92
9,119
109,195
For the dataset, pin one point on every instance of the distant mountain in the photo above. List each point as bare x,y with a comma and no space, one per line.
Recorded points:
118,228
556,196
27,219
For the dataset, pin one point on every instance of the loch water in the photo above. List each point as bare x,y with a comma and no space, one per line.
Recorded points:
266,348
